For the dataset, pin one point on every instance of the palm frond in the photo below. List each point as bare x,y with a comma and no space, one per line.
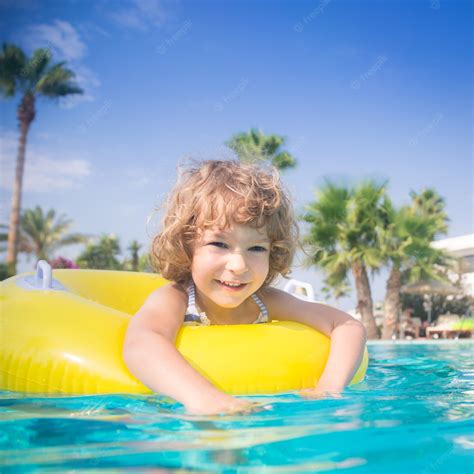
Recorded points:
254,146
36,67
58,81
12,68
72,239
44,232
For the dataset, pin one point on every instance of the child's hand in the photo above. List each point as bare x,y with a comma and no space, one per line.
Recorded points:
226,404
316,393
242,407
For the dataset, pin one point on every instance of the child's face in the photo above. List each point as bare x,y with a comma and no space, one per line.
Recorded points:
238,255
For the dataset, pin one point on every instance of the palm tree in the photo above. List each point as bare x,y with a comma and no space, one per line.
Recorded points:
42,234
30,77
24,245
145,264
405,243
429,202
4,274
134,248
103,255
255,145
343,235
3,237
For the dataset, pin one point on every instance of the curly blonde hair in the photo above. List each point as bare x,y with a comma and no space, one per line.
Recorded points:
218,193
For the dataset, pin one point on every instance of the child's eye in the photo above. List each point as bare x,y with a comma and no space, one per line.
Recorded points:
221,245
258,248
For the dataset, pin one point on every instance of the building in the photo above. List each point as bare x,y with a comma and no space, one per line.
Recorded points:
463,248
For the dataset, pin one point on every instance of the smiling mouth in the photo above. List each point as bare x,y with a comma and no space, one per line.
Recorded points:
231,285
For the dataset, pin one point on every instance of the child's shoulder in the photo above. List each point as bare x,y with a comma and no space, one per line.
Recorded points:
162,312
271,293
278,302
171,293
175,289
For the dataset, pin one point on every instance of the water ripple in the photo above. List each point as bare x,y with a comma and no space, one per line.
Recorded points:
413,413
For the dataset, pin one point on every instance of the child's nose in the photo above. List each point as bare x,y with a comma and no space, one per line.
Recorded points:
236,263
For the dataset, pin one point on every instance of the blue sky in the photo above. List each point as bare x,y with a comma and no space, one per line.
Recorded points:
359,89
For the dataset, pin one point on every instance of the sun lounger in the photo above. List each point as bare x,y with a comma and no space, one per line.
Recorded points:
450,326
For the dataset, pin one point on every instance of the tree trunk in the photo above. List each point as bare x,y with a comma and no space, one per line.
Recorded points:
391,307
364,299
25,114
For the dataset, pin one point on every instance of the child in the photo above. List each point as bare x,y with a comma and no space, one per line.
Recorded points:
228,232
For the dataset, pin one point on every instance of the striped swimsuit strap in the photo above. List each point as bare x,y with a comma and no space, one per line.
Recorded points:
193,310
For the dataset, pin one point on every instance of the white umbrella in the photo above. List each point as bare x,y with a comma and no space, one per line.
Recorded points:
427,288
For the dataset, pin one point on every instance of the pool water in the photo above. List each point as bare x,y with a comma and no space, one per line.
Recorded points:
413,413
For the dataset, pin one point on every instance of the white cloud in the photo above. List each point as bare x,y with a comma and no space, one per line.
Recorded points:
128,19
87,81
43,172
90,30
60,36
65,43
84,75
140,14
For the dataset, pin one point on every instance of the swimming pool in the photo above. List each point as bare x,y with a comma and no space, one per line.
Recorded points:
414,413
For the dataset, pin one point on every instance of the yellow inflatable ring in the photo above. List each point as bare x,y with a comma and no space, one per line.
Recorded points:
65,336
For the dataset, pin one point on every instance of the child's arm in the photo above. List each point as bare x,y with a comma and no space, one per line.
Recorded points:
348,336
150,354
